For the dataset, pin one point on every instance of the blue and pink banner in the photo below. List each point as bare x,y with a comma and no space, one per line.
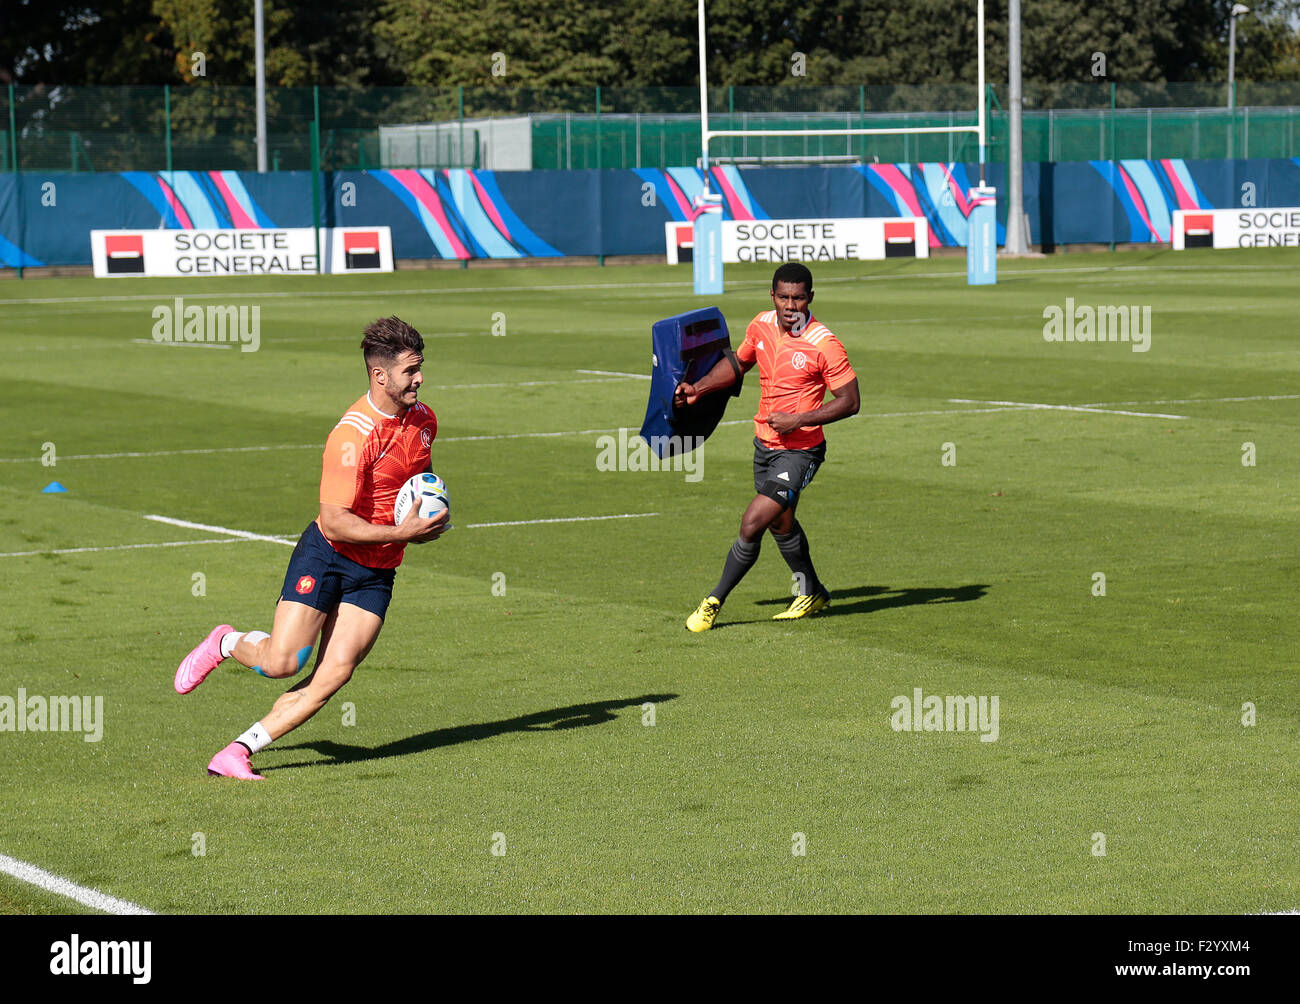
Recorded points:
464,214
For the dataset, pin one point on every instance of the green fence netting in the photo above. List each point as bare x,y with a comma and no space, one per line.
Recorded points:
209,127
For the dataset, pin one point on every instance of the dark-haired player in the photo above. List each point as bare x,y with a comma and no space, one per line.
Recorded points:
799,360
340,577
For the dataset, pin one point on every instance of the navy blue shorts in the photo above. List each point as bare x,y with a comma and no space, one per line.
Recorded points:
322,578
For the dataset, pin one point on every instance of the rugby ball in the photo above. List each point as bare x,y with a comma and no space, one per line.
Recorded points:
425,490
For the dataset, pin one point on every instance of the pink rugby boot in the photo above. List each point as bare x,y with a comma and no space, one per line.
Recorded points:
233,761
205,657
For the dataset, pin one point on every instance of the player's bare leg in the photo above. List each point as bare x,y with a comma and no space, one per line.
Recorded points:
761,514
287,648
281,653
349,634
346,638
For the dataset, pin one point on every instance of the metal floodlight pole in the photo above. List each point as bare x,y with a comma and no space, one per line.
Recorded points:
259,46
704,101
1017,242
1232,53
1238,9
983,130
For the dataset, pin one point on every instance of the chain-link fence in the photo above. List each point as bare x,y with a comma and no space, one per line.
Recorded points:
58,128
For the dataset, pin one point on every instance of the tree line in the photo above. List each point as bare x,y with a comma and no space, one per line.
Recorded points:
632,43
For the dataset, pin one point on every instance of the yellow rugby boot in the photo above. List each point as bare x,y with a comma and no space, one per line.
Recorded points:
804,606
704,614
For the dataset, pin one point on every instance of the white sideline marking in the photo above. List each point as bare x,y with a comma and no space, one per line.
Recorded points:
1035,406
677,286
50,882
1198,400
124,547
635,376
241,534
680,285
563,519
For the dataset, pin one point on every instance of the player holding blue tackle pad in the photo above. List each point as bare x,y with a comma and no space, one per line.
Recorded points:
799,360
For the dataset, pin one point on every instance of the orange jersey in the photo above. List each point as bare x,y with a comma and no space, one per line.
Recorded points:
794,374
368,457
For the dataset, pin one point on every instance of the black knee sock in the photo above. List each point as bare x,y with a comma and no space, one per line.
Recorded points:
740,559
794,548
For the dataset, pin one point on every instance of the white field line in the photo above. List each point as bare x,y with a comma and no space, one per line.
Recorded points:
563,519
465,439
50,882
941,411
169,453
184,345
353,338
1197,400
1035,406
613,378
616,373
124,547
680,286
675,287
242,534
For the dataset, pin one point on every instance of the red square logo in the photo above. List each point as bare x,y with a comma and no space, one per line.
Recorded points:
361,249
124,253
362,242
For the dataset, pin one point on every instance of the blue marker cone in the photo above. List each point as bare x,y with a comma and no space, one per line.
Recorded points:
53,488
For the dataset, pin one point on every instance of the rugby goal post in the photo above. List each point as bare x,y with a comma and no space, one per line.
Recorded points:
981,244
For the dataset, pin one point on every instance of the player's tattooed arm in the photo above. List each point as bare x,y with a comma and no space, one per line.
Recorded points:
722,376
343,525
845,401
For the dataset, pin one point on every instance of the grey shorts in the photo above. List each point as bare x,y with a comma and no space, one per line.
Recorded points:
782,475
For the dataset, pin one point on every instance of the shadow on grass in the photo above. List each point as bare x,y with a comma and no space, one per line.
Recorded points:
575,716
875,598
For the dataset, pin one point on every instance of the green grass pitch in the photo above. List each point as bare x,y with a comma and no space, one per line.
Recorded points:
515,722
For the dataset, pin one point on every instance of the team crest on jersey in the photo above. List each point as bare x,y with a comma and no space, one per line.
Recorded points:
305,585
426,437
799,360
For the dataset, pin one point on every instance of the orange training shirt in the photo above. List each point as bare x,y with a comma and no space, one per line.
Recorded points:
368,457
794,371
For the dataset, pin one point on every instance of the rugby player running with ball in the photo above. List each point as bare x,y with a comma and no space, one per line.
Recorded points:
340,577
